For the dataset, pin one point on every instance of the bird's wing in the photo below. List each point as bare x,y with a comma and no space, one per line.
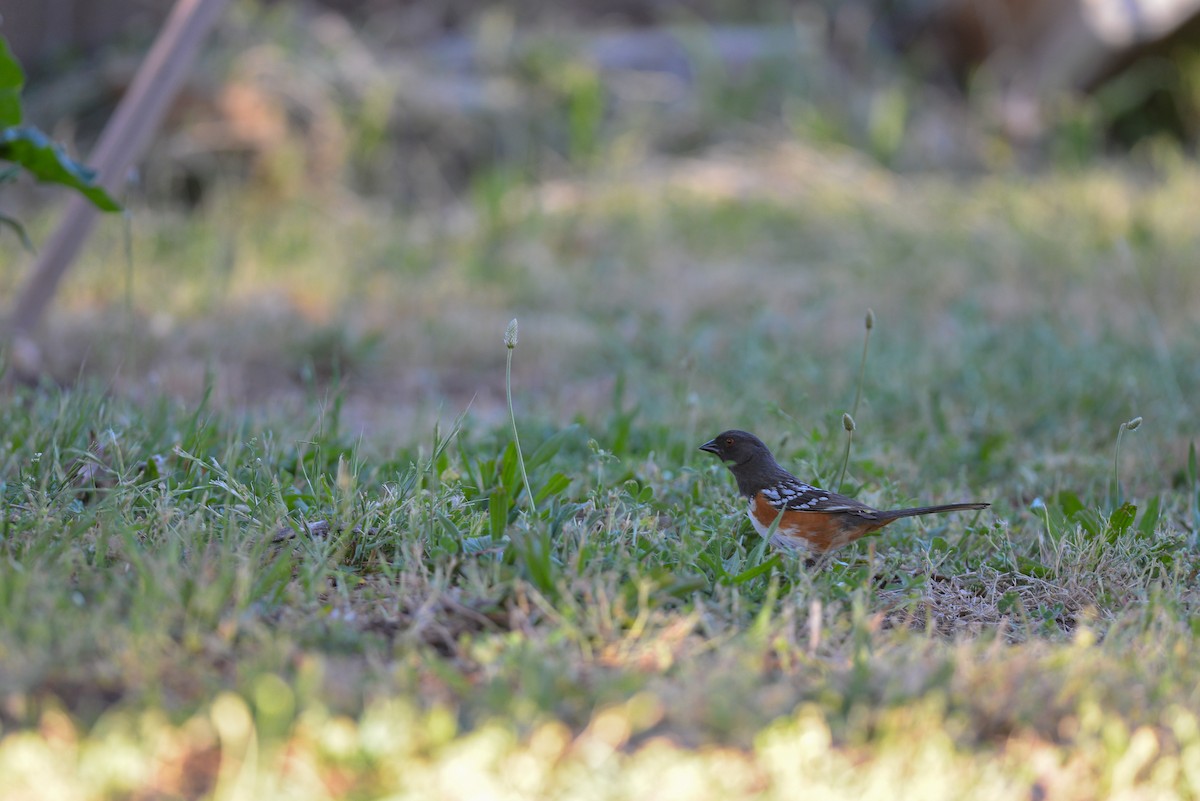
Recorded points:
796,496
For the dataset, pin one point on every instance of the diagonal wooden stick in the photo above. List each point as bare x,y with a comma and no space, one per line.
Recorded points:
128,131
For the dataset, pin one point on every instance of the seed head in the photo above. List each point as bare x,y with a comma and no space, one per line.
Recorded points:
847,421
510,335
870,319
1133,424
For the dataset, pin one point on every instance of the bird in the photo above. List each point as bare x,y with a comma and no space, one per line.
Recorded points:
809,518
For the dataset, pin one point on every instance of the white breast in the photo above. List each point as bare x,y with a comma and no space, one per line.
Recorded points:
779,539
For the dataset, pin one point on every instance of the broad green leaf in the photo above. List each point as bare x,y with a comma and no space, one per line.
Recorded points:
498,505
12,79
546,451
472,545
553,486
1121,520
1032,567
49,163
1149,518
1090,520
1069,502
510,469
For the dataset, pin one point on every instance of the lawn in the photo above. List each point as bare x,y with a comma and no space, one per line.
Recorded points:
266,534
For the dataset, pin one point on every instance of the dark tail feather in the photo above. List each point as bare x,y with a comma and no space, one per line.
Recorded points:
896,514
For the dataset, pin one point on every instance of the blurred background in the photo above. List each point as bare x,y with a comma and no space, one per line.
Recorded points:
358,194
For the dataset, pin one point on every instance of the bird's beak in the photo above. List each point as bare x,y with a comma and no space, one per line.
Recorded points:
711,447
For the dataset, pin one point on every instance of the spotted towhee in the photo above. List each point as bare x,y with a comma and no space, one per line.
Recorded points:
809,517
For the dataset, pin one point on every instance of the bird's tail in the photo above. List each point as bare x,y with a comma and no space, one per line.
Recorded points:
896,514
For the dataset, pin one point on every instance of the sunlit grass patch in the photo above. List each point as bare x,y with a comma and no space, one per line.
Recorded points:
263,746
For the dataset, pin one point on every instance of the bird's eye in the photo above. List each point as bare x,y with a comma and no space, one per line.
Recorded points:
729,440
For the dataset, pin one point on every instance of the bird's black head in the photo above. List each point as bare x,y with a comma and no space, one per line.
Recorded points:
736,448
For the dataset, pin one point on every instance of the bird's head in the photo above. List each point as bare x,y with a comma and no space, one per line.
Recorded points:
737,447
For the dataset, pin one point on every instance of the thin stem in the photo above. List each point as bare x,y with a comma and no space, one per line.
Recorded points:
862,367
516,438
1131,425
849,425
1117,467
845,458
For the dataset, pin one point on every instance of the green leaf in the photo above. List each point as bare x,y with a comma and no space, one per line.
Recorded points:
298,501
475,469
1010,603
1069,503
1149,518
49,163
12,79
473,545
534,552
1032,567
756,571
450,526
1089,519
553,486
498,506
713,564
1121,520
153,467
509,468
550,447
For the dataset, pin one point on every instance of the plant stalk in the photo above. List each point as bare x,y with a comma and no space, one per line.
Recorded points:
516,437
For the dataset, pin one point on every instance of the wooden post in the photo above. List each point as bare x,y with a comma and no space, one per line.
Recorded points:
125,135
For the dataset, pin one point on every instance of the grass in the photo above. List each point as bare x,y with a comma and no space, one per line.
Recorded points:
266,537
161,584
149,593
